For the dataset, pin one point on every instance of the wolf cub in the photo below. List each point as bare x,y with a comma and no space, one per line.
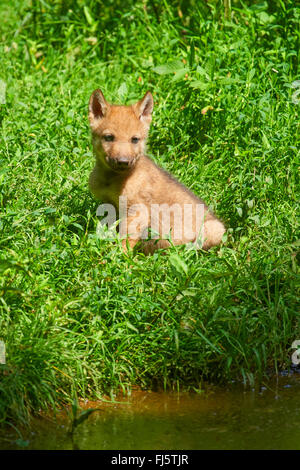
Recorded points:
154,208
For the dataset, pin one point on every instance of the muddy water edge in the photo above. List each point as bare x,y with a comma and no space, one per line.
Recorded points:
232,417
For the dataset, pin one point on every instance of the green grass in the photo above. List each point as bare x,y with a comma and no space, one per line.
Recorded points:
77,315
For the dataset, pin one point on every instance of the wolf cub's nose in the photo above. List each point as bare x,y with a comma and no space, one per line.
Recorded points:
123,161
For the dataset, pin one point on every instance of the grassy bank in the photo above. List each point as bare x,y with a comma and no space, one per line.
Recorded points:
77,315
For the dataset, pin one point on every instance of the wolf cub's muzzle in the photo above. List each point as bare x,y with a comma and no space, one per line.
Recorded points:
120,163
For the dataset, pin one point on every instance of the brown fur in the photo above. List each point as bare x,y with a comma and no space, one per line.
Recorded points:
122,169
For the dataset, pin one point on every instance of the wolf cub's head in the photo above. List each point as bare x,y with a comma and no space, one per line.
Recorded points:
119,132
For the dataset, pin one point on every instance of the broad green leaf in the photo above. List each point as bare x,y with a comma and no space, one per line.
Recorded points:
88,15
265,140
122,91
170,67
179,75
178,263
129,325
200,85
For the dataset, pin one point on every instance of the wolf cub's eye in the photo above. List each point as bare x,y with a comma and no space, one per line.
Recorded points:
135,140
109,137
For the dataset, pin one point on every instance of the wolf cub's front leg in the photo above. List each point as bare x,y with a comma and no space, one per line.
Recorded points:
213,233
133,228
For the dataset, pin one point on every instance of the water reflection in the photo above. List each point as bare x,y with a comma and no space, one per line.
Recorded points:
268,418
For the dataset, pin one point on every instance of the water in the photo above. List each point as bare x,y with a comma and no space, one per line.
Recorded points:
268,418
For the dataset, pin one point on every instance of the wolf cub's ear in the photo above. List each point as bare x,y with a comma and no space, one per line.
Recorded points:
144,108
97,107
